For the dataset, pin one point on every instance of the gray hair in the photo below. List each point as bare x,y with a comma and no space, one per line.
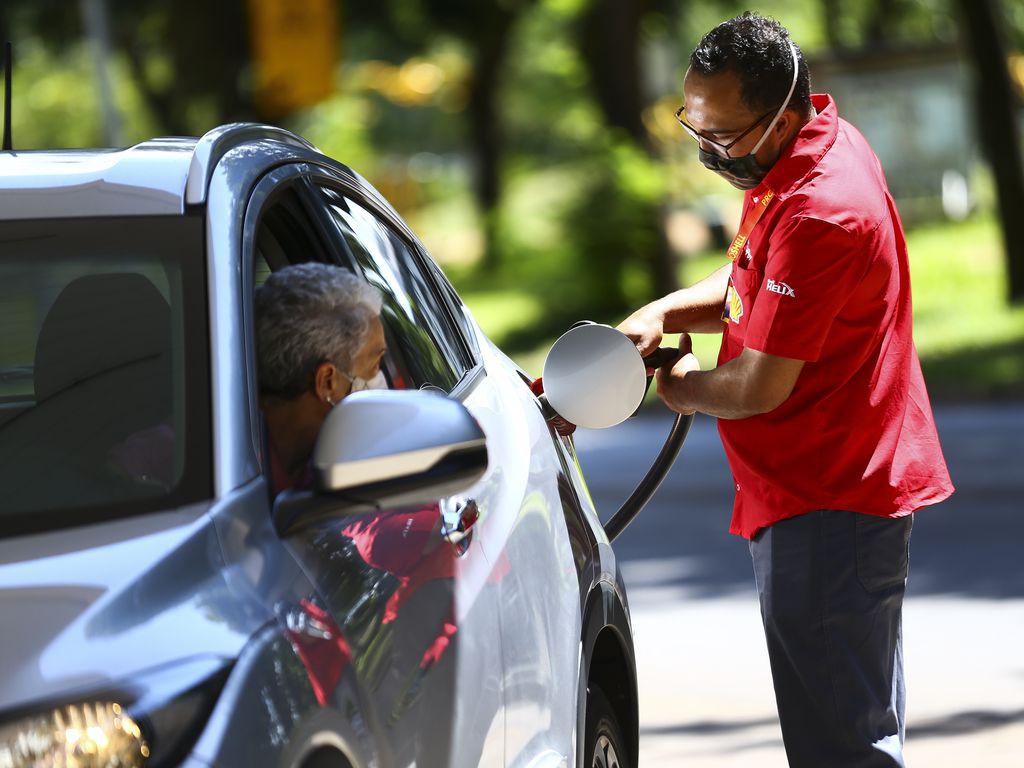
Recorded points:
308,314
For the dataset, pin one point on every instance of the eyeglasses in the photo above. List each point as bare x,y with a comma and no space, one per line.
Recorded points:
722,149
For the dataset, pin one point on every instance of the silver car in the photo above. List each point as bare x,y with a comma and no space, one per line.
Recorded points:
159,608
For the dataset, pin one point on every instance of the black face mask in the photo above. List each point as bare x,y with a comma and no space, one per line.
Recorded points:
742,172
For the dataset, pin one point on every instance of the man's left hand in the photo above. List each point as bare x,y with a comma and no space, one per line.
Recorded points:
670,382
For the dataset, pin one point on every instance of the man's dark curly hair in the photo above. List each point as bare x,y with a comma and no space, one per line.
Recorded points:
756,49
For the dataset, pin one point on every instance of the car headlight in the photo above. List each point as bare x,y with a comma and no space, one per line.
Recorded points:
95,734
150,721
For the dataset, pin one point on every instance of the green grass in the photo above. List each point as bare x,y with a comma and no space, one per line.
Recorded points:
970,341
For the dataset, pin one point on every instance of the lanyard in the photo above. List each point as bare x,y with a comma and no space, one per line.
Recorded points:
733,309
752,217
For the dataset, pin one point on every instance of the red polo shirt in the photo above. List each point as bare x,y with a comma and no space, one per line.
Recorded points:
824,278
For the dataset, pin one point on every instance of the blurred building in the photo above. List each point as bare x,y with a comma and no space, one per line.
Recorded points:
914,107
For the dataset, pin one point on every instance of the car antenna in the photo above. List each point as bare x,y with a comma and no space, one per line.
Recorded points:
7,97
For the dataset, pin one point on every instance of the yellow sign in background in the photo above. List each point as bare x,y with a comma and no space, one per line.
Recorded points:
295,48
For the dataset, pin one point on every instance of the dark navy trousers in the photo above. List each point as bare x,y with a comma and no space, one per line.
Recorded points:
831,586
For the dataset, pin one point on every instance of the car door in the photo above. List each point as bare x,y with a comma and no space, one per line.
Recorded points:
418,614
522,527
540,593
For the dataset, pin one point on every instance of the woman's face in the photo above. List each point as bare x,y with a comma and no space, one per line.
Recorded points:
366,363
331,384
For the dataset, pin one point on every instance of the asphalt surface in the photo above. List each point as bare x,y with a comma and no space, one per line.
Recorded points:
705,686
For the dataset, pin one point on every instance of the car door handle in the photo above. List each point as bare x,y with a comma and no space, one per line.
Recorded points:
458,516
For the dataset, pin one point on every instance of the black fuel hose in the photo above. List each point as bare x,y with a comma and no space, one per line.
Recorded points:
652,480
662,464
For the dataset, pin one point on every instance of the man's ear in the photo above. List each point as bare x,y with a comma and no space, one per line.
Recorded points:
788,122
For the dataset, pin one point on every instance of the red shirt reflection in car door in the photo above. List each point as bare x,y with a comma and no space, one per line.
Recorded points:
400,542
323,652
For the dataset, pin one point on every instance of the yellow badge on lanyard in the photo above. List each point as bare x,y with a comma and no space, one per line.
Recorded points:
733,304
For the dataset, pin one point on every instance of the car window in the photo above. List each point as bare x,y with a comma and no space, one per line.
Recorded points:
286,235
281,230
103,368
457,310
424,347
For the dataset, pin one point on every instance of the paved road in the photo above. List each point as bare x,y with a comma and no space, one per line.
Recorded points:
706,695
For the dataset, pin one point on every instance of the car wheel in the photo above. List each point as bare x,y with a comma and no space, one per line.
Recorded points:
326,758
605,747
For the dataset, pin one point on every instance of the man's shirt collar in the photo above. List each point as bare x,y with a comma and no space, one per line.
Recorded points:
804,152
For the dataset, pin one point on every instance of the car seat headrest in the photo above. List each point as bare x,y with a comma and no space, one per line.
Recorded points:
97,325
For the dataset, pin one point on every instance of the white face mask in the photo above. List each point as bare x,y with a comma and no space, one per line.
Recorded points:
377,382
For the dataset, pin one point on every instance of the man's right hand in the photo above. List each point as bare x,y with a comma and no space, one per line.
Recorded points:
645,328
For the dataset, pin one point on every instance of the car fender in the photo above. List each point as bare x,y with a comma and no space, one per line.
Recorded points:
268,712
608,658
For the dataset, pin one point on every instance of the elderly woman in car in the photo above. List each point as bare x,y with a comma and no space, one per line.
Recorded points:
318,338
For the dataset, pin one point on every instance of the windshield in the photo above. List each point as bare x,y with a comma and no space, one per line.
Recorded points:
104,396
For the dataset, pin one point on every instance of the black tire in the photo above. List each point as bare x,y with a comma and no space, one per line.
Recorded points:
326,758
604,746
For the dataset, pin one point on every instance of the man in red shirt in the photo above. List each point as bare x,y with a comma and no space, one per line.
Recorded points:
818,390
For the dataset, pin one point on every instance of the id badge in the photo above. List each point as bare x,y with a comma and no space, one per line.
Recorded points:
733,305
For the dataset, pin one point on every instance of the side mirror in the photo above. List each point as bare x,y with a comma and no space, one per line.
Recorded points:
381,448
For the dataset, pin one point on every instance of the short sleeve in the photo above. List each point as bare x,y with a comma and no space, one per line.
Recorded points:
811,269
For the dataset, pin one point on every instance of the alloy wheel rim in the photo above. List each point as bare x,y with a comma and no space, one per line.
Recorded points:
605,755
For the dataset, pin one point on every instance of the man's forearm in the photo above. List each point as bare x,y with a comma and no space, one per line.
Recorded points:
751,384
720,392
697,309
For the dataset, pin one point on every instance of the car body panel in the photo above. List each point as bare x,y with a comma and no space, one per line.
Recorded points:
210,150
147,179
421,623
92,616
539,590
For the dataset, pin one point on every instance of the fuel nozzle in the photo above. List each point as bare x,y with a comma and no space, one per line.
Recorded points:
559,424
659,357
656,359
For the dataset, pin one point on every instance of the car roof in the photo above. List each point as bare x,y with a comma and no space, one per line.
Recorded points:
160,176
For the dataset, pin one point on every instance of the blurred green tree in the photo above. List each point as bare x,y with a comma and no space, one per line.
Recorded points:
188,59
572,97
987,29
485,29
611,43
997,106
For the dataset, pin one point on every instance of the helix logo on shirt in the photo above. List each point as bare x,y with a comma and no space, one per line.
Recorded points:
783,289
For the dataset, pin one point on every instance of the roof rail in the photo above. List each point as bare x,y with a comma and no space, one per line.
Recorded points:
214,144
